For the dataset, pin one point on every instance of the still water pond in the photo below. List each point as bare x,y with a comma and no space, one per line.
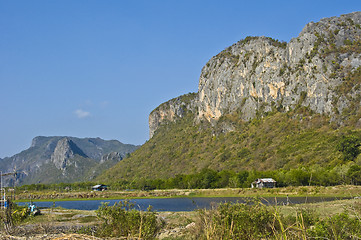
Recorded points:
179,204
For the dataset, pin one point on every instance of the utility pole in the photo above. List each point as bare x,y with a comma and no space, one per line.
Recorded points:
3,190
5,205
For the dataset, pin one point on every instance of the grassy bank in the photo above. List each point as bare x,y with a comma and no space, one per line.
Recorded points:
314,191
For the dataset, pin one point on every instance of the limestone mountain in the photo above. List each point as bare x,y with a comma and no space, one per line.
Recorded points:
258,74
257,97
64,159
64,151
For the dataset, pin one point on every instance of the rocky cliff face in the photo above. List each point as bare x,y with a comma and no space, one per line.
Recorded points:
64,151
259,74
171,111
111,157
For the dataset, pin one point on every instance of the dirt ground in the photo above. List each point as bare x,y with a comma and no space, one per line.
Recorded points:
60,236
54,224
64,224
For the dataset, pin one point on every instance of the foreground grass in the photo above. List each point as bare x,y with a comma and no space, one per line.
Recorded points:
314,191
302,221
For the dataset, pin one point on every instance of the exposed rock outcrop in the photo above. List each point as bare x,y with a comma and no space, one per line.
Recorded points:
65,150
171,111
111,157
260,74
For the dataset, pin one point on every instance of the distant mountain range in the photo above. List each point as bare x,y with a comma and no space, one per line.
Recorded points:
63,159
261,104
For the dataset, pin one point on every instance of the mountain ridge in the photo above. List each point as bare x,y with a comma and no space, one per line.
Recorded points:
310,86
64,159
260,73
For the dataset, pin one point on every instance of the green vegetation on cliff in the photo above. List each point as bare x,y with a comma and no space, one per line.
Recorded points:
277,141
263,105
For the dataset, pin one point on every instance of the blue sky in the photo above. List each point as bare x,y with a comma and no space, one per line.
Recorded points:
88,68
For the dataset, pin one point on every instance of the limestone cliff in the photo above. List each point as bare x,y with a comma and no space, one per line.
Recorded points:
260,74
64,151
171,111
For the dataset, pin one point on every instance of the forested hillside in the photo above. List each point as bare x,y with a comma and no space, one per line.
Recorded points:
263,104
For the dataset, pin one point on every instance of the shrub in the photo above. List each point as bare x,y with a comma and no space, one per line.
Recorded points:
339,226
349,147
235,221
257,221
20,213
122,220
12,216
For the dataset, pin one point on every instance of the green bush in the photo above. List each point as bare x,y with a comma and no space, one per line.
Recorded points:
257,221
349,147
122,220
339,226
19,213
12,216
235,221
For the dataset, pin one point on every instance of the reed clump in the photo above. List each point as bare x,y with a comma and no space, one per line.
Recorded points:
123,220
258,221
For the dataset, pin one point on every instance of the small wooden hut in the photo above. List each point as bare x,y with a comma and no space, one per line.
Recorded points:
264,183
99,187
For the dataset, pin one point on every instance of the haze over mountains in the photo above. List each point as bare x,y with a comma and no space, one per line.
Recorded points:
64,159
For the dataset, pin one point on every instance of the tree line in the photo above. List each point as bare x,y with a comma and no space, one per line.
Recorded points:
209,178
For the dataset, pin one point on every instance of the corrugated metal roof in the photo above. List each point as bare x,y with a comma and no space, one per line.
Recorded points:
266,180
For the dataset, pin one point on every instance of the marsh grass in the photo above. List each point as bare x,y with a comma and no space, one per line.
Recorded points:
122,220
88,219
236,221
257,221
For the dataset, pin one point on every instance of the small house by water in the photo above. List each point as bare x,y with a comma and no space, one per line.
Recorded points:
99,187
264,183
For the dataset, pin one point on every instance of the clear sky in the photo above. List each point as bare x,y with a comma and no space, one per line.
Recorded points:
87,68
